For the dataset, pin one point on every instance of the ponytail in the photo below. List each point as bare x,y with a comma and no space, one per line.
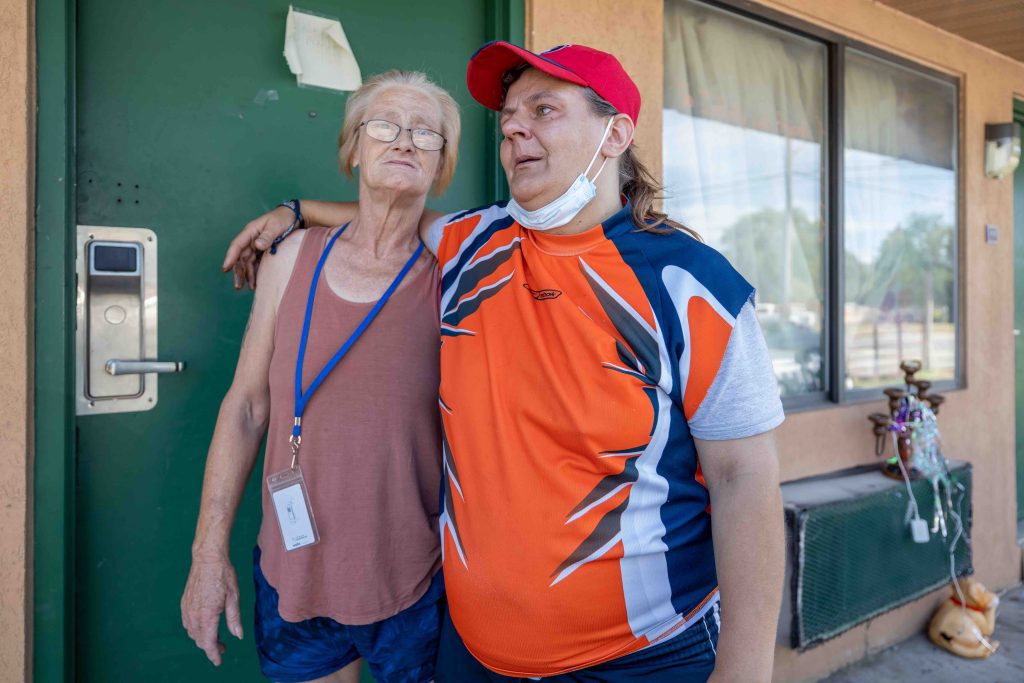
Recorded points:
638,184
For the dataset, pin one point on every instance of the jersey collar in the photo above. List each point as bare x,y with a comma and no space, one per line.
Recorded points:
617,224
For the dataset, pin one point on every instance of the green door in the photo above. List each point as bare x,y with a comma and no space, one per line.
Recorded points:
189,123
1018,311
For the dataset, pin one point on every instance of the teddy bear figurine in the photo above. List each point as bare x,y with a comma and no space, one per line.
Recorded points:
965,632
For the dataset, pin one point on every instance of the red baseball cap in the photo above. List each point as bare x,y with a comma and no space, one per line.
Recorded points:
577,64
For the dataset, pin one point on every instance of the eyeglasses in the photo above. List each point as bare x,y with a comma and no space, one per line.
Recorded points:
422,138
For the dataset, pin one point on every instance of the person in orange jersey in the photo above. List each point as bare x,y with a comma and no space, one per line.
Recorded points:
611,492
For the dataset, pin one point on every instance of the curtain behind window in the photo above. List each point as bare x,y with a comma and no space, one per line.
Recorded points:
899,176
743,153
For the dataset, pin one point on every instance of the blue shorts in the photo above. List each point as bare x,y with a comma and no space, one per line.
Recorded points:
686,658
399,649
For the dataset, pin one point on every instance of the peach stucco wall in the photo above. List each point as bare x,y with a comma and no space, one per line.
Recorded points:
17,154
631,31
977,422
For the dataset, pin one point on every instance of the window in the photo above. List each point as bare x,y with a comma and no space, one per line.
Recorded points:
899,184
744,126
827,175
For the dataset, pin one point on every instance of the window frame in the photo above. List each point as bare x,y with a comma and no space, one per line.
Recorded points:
836,46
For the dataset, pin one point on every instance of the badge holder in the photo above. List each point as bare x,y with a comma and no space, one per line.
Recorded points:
291,503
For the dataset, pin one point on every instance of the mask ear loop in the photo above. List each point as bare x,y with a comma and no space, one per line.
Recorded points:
604,136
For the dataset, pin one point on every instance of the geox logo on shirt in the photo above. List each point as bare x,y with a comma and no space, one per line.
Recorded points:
543,294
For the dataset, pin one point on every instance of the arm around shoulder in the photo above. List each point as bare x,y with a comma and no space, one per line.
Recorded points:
431,228
259,234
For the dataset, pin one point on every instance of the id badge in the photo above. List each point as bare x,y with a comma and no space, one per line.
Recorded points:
294,513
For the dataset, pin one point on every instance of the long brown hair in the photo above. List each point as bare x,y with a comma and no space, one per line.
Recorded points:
637,183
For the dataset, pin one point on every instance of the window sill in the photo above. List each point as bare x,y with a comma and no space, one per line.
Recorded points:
814,402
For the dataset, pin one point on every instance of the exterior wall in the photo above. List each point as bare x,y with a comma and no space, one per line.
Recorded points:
633,35
977,422
17,156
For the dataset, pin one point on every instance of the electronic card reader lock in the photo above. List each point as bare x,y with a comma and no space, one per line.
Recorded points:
116,315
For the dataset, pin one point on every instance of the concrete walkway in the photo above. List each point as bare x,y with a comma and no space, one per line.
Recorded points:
917,659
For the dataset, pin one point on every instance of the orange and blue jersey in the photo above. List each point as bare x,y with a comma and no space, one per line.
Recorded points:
576,524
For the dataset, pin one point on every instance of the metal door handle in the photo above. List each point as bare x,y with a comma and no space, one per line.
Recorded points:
143,367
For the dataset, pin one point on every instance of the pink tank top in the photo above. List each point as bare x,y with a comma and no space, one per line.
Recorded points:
371,449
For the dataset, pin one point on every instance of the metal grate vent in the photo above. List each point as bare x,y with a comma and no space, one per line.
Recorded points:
851,556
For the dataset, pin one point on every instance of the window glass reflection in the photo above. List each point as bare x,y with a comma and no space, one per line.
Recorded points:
743,146
900,218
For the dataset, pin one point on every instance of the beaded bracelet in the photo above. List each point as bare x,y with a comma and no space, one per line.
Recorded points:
299,222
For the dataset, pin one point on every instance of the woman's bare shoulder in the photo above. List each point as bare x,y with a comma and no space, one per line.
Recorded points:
276,269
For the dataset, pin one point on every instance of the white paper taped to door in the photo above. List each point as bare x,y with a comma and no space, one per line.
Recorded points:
318,52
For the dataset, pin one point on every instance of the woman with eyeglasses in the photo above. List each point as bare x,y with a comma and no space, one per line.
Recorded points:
339,369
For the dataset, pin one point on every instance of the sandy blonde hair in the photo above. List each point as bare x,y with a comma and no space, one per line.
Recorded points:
360,101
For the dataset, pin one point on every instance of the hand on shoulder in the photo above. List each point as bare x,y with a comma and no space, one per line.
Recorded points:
275,269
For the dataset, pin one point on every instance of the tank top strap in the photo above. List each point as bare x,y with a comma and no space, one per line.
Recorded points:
312,246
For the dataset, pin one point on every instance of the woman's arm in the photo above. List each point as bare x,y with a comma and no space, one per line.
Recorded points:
747,528
212,586
427,223
258,234
256,237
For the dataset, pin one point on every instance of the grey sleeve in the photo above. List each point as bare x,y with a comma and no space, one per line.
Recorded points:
744,398
435,232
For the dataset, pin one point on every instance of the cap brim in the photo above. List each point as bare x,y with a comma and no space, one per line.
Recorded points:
492,61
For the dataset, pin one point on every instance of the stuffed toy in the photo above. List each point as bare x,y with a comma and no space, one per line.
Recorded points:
963,629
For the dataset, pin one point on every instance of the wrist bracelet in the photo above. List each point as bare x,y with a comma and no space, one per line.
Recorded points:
299,222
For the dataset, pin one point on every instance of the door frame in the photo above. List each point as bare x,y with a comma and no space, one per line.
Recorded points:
52,526
53,501
1018,219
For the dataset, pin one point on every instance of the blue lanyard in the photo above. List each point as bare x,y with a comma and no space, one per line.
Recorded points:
302,397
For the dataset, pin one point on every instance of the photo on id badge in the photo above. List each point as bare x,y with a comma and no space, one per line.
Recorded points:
294,514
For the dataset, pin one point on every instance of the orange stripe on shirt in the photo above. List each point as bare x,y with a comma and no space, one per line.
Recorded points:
709,336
